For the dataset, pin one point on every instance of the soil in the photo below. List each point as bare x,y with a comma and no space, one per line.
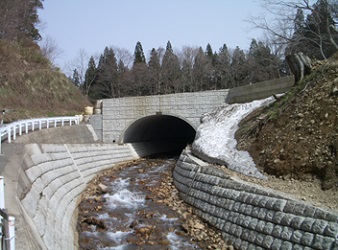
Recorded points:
31,87
295,140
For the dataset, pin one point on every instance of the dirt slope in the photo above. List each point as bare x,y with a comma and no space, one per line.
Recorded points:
31,87
297,137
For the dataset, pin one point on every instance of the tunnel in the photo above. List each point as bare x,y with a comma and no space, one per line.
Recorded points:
159,133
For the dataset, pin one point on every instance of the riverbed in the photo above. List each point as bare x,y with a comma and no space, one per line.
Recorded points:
126,209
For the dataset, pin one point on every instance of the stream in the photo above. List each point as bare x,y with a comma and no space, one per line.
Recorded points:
123,210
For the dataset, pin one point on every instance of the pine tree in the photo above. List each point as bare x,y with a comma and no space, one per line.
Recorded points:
222,66
211,55
140,84
154,67
90,76
123,73
261,62
316,36
107,77
171,72
210,68
200,71
239,68
19,19
76,78
138,54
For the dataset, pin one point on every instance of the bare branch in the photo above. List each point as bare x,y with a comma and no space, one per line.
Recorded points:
50,49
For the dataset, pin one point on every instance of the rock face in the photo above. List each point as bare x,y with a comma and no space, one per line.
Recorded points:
299,64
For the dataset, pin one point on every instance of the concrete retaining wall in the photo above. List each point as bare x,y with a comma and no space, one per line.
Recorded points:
252,217
50,183
119,113
96,122
259,90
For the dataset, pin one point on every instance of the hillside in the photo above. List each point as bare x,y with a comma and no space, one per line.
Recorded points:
296,138
31,87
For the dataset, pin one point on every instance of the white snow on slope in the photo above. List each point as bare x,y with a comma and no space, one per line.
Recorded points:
215,137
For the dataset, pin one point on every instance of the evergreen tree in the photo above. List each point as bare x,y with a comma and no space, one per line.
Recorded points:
298,35
209,53
154,72
76,78
299,21
170,71
316,36
123,72
138,54
222,68
200,71
140,84
90,76
105,86
210,68
19,18
239,68
260,62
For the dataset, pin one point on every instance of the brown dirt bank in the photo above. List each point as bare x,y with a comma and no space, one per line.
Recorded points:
295,140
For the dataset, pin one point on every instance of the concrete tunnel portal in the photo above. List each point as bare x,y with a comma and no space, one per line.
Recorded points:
160,133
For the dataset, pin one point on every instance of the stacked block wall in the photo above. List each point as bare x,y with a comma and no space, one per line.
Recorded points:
52,180
250,216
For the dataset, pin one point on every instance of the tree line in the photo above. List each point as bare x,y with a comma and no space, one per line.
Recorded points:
299,27
295,26
189,70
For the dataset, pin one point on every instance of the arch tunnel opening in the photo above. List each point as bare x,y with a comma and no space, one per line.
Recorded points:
159,133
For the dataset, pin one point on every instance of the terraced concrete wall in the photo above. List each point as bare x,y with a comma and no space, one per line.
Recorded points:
250,216
50,184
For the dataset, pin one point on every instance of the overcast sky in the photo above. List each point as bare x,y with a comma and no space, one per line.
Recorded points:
92,25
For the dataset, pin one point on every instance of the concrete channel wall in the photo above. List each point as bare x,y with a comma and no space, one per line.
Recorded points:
250,216
50,183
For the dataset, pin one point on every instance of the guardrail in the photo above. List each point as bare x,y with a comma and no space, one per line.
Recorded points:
11,130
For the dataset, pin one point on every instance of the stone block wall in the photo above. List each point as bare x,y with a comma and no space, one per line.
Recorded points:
119,113
50,184
250,216
96,122
261,90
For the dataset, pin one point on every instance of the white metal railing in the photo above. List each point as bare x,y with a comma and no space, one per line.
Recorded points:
11,130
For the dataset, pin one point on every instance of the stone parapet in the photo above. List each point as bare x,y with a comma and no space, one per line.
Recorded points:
250,216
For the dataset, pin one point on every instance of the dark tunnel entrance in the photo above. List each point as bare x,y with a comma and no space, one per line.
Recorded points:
159,134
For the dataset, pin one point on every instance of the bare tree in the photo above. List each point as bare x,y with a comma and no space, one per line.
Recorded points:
187,60
50,49
280,23
124,56
80,63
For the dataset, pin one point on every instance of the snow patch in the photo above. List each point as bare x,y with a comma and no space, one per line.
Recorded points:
215,137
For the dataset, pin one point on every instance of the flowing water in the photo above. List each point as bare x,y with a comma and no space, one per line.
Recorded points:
127,217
